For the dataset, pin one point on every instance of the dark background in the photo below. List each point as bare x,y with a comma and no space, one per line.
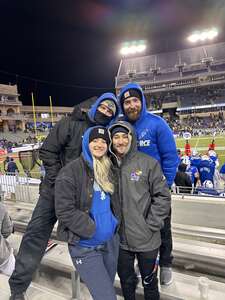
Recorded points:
70,49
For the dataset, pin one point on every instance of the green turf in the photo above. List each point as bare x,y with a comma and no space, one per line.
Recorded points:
203,142
195,142
35,172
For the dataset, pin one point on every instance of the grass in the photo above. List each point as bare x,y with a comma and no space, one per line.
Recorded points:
202,143
35,172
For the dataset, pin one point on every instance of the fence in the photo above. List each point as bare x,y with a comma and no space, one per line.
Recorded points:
19,187
199,191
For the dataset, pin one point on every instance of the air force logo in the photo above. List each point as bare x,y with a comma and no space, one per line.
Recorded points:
144,143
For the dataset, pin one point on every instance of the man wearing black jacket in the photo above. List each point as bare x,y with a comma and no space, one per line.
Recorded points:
62,145
183,180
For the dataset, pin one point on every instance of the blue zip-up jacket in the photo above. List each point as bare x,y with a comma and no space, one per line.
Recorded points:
155,137
100,211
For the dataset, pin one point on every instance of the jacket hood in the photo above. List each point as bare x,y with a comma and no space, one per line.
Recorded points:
93,109
143,100
86,153
133,145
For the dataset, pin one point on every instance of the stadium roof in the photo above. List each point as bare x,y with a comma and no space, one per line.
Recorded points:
167,61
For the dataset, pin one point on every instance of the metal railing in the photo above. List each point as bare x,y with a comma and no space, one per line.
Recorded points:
19,187
198,191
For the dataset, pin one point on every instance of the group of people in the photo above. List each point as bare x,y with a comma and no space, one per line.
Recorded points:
201,174
107,183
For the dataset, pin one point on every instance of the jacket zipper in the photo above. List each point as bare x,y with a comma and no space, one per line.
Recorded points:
122,216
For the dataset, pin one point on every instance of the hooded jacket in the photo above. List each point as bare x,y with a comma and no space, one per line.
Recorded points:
144,197
86,214
64,142
154,137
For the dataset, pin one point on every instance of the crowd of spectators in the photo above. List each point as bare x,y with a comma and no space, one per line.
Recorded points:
189,97
198,125
8,144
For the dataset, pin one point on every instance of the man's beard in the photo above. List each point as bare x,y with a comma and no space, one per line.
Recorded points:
133,115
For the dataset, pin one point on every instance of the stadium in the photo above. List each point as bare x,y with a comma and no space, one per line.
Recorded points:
186,88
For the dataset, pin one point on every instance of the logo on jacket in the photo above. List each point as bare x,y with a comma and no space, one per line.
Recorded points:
78,261
135,176
144,143
102,195
143,133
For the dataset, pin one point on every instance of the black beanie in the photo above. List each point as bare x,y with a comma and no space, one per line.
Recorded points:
99,132
119,128
130,93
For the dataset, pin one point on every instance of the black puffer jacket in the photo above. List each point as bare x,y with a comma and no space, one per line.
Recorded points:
63,144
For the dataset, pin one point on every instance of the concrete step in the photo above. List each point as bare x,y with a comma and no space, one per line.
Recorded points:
183,287
205,257
34,292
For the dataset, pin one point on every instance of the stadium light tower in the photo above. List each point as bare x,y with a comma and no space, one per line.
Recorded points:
133,48
202,36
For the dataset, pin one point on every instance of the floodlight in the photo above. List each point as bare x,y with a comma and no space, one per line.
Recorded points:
209,34
132,48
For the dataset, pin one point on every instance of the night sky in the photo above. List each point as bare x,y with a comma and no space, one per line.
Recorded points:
72,47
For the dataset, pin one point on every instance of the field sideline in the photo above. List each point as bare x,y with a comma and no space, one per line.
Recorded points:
202,143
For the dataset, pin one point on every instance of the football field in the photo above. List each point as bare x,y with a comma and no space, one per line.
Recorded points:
202,143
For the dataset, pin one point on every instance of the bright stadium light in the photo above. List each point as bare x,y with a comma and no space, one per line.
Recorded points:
203,36
132,48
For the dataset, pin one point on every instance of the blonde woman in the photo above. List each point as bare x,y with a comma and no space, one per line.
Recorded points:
88,214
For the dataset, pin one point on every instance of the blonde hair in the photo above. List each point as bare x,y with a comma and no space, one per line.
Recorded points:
102,173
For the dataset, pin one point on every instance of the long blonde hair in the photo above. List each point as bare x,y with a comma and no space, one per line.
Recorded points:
103,174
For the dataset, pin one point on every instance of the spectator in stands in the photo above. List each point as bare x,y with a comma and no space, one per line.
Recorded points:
12,167
142,185
155,138
183,180
7,259
88,214
62,145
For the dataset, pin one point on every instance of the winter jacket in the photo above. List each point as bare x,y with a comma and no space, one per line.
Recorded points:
78,217
64,142
6,229
155,137
183,180
144,196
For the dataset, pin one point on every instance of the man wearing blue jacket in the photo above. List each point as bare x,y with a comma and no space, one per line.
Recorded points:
155,138
63,144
